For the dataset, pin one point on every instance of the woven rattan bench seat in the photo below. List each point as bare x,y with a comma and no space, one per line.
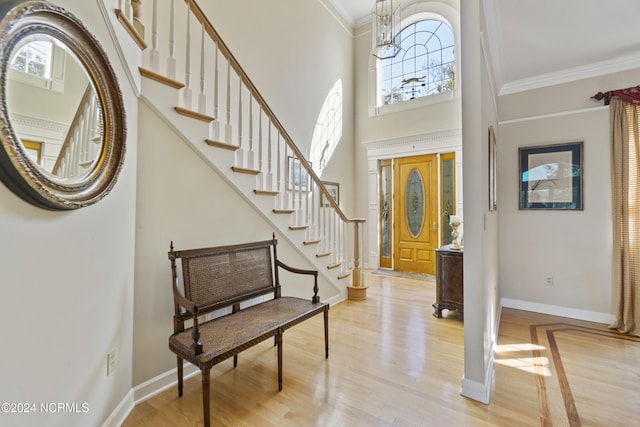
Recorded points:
225,278
226,336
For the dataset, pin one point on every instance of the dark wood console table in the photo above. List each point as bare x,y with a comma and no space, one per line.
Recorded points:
449,280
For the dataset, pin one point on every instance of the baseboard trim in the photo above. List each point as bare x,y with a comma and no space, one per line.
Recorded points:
480,392
162,382
554,310
121,412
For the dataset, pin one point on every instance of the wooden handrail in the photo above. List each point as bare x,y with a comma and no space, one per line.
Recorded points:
88,93
222,47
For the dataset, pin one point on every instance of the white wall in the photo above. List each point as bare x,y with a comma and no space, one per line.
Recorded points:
572,246
301,51
294,52
181,199
481,226
575,247
68,288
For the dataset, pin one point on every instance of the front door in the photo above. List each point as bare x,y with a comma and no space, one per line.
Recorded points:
416,213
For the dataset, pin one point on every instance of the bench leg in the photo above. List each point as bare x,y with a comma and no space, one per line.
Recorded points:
279,340
326,334
235,360
205,397
179,377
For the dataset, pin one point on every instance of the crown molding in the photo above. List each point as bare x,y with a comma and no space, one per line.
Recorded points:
623,63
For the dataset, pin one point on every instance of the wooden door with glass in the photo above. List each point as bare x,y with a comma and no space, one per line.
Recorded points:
416,212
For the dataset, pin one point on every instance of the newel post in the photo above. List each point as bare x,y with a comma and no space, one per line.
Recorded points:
357,290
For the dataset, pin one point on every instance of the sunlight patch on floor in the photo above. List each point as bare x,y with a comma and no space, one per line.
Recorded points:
533,365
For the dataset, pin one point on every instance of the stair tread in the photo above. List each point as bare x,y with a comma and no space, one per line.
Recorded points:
160,78
223,145
194,114
245,170
283,211
266,192
310,242
298,227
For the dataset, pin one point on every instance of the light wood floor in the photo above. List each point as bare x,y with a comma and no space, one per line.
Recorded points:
391,363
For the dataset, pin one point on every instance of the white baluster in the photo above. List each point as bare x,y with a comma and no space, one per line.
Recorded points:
215,126
299,210
312,212
250,154
154,55
240,151
260,183
269,178
187,65
227,128
202,98
279,184
171,60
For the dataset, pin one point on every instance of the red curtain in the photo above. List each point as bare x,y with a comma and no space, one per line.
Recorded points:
631,94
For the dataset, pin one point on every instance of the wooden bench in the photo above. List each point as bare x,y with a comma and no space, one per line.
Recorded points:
221,278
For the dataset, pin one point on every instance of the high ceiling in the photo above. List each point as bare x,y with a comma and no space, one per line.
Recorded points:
544,42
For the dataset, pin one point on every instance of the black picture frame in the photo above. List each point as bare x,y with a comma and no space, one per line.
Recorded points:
334,190
551,177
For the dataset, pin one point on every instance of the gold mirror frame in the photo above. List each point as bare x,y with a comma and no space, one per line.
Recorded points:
22,176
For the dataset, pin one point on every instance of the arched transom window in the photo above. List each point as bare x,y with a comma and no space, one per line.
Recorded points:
425,65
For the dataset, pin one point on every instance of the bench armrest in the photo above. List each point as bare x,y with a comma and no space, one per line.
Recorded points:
296,270
193,309
180,300
313,273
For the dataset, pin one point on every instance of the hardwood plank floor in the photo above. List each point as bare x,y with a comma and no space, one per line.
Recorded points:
391,363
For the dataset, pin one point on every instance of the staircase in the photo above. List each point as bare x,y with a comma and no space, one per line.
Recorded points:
215,108
82,143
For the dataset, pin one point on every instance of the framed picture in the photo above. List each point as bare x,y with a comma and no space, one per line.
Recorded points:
493,205
334,190
551,177
297,176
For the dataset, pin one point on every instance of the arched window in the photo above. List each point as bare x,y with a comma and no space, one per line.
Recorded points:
425,65
328,130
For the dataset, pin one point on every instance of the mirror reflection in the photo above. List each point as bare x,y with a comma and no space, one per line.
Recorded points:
53,108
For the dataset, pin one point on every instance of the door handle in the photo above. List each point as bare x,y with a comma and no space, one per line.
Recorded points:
435,226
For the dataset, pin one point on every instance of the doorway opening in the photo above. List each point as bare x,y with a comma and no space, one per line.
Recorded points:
417,195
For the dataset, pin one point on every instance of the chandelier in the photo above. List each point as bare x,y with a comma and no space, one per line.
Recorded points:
386,25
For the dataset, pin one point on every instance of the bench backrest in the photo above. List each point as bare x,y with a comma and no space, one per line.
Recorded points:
221,276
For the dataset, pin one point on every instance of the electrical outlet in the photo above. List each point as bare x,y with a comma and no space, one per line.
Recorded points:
112,361
548,280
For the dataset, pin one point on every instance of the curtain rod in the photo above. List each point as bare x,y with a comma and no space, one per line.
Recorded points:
630,94
600,96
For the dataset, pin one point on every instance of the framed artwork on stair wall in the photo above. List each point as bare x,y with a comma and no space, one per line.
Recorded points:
334,190
297,175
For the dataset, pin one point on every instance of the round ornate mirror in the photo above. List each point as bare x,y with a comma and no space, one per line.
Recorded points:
62,119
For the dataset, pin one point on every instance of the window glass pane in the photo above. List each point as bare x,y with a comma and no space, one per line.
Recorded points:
448,54
385,220
35,59
425,65
434,45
